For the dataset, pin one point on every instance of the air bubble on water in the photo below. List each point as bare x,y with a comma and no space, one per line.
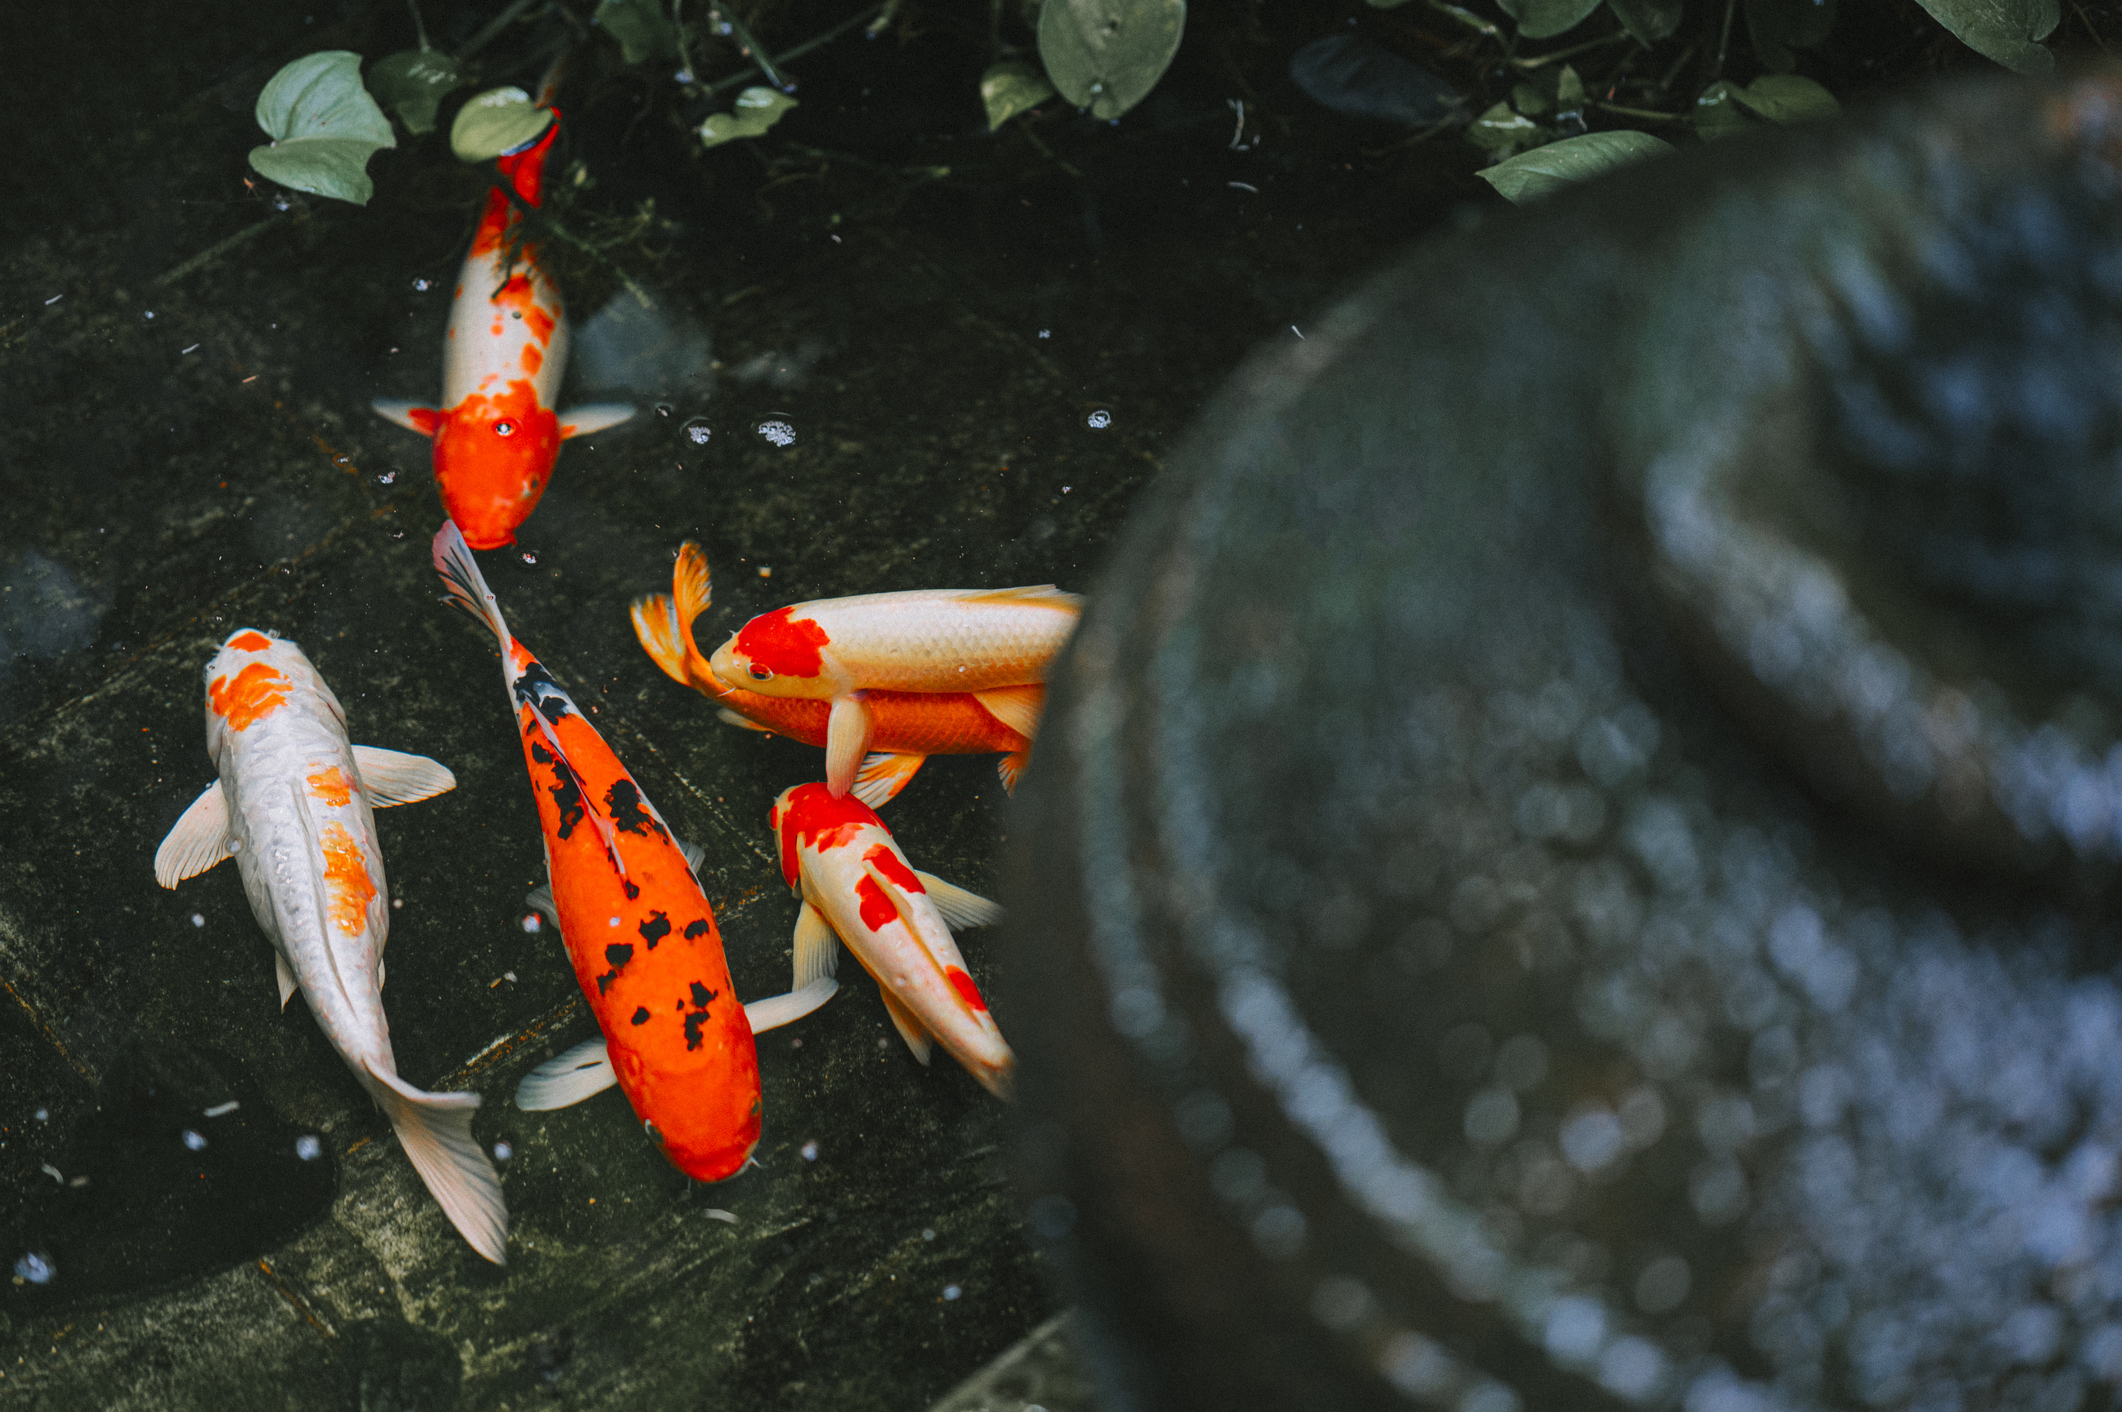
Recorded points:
532,922
502,1152
422,286
34,1268
198,919
308,1148
779,433
952,1291
1100,419
387,478
1046,333
42,1115
194,1139
664,409
530,556
698,431
810,1150
928,1233
765,572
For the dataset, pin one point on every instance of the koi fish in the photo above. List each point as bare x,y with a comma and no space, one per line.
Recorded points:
985,642
906,727
496,435
637,927
294,807
856,885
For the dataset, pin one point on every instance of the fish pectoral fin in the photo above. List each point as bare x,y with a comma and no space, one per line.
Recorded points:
540,900
284,976
568,1077
730,717
435,1129
777,1010
692,591
410,415
695,856
847,733
959,907
910,1029
656,629
817,948
884,774
394,777
197,841
1017,707
597,416
1012,768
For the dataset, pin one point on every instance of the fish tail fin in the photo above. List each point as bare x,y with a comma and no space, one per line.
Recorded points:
692,591
467,586
657,630
435,1129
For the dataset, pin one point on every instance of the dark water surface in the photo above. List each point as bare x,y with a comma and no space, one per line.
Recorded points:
182,457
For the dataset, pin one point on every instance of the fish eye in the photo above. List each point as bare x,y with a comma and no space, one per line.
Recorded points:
504,428
760,673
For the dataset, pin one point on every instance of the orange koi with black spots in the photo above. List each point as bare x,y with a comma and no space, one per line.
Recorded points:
637,927
294,807
496,435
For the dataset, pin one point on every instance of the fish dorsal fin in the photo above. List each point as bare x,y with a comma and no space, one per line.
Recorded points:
656,629
568,1077
1038,595
393,777
847,732
960,908
313,850
777,1010
594,417
729,717
408,414
817,948
605,831
1017,707
197,841
884,774
283,976
910,1029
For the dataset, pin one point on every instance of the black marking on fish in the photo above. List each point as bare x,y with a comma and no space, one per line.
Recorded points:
604,982
641,1015
625,802
693,1022
536,687
632,891
539,753
694,930
701,995
655,929
567,795
619,953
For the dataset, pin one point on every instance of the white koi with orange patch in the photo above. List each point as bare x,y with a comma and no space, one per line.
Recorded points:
841,860
294,808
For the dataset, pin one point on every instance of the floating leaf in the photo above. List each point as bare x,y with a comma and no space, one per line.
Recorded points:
1648,20
644,32
1787,98
1502,131
1106,55
1012,87
1779,26
1359,77
324,127
2007,31
755,110
1544,19
496,121
1545,170
413,82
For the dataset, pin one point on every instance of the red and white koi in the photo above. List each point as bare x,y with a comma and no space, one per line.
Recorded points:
496,434
855,884
294,807
985,642
906,727
637,927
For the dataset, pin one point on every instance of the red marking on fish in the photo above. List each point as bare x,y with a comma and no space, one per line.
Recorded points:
250,642
887,862
331,787
782,643
533,359
346,880
249,697
963,984
491,479
541,323
877,909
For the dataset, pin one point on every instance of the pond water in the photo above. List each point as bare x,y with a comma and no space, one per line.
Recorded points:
856,372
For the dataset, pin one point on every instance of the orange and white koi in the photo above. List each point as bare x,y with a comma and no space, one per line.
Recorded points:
294,807
855,884
637,927
496,434
986,642
906,727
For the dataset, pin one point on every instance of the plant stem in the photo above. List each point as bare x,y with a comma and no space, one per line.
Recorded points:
753,50
1044,150
723,85
419,28
1575,49
691,75
215,251
1724,39
1640,113
541,223
494,27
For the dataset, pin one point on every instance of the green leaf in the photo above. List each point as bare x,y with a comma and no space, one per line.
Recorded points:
1527,98
413,82
1012,87
496,121
1717,111
644,32
1544,19
1502,131
1531,175
755,110
1569,90
1778,26
1648,20
2007,31
1106,55
324,127
1787,98
1385,4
